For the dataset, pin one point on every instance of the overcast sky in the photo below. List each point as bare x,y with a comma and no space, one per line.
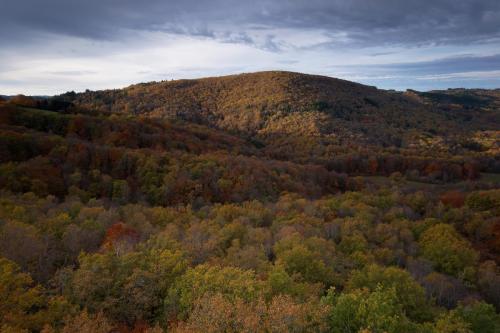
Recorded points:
52,46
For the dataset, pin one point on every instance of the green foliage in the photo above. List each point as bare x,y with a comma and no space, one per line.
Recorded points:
228,281
452,323
410,295
483,200
23,304
449,252
481,316
127,288
299,259
360,309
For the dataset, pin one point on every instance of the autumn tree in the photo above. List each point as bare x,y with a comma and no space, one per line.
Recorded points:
23,304
449,251
376,311
228,281
410,295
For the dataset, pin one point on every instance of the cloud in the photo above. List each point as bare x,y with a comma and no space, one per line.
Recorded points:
466,63
475,75
71,73
464,71
361,22
447,65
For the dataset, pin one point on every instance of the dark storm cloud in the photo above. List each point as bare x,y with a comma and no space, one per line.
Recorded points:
395,21
363,22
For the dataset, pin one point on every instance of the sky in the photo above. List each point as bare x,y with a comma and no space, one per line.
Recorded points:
49,47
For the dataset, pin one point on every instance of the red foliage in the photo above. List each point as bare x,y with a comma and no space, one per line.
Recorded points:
120,234
454,199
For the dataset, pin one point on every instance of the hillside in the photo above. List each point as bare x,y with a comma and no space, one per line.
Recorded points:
310,119
274,104
248,102
265,202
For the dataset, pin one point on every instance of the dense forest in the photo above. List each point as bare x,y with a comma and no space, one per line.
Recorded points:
265,202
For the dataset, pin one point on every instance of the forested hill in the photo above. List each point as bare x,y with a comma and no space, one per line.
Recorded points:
283,102
312,119
265,202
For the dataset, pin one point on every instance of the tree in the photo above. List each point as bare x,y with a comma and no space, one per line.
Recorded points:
445,289
488,281
23,244
358,310
455,199
120,238
87,323
302,261
484,200
447,250
213,313
228,281
481,316
279,282
216,313
17,296
451,322
23,305
305,258
121,191
409,293
126,288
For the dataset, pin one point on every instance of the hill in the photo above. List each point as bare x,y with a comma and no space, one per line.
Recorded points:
311,119
265,202
283,103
